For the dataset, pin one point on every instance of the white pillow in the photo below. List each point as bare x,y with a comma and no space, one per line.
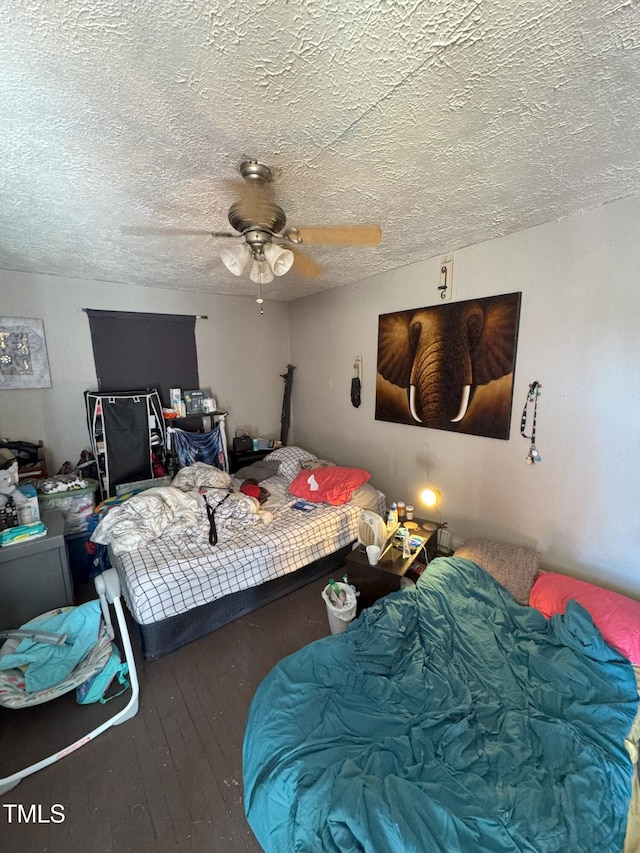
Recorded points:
290,459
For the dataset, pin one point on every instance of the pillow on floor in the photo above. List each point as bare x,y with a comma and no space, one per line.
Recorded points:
514,566
616,616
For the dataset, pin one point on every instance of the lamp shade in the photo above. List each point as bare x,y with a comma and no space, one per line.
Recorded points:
430,496
261,272
281,259
235,258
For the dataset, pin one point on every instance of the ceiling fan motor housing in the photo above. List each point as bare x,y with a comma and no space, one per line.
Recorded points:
267,215
254,171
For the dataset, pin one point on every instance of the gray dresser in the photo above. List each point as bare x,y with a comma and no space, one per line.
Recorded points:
35,576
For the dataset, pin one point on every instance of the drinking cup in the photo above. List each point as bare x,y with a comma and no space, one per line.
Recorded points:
373,554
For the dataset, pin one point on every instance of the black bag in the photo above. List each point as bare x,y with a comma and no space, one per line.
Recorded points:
242,442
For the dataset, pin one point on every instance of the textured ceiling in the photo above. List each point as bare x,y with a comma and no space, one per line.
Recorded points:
447,122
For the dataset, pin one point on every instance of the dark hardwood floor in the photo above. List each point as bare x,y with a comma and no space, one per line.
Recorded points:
170,779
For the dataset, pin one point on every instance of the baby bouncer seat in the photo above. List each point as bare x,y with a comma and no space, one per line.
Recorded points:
13,687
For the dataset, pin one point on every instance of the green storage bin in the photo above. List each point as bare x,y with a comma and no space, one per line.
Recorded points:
76,505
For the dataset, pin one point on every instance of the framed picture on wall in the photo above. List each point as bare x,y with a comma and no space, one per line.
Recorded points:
24,362
450,366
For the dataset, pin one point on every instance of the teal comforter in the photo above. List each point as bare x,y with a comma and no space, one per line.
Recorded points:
446,718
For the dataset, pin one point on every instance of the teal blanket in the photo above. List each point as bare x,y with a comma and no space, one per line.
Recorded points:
48,665
446,718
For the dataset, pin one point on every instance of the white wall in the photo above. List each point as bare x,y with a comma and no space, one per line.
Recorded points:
241,355
578,337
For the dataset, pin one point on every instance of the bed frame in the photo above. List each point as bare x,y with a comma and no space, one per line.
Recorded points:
168,635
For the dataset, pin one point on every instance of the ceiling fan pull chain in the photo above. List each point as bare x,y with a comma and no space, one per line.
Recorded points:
532,398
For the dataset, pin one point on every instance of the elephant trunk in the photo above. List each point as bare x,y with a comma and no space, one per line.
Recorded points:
462,411
440,386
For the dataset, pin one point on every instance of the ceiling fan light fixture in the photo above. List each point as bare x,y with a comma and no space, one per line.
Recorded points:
235,258
280,259
261,272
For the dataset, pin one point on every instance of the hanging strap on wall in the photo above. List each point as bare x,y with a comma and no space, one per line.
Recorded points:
530,411
356,382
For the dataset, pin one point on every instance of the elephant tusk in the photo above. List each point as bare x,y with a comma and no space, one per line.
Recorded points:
464,403
412,403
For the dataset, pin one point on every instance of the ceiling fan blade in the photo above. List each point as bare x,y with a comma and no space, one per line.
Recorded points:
143,231
335,235
304,264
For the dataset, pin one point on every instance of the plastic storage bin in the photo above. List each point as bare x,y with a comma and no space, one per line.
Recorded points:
76,506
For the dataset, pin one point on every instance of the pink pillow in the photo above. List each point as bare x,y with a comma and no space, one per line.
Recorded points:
617,616
329,485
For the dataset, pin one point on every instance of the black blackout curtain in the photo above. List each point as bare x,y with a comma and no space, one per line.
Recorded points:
137,351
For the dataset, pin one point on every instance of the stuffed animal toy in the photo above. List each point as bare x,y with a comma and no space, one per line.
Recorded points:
9,486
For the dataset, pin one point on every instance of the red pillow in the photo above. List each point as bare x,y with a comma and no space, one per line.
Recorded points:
617,616
329,485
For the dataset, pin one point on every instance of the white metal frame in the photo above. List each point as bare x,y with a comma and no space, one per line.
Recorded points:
108,588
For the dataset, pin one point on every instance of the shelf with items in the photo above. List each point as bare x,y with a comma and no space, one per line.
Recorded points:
197,437
387,575
201,422
373,582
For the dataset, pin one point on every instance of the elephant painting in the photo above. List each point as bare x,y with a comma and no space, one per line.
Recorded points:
450,366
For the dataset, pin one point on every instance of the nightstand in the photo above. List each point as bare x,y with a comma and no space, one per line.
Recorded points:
245,458
375,581
34,575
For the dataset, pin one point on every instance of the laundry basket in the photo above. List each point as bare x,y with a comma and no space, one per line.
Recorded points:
12,685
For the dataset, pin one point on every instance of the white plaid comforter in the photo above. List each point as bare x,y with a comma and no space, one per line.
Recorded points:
180,570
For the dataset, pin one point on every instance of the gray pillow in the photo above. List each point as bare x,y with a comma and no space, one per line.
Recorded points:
366,497
514,566
261,470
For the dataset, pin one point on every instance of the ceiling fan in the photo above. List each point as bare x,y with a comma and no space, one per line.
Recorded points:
271,247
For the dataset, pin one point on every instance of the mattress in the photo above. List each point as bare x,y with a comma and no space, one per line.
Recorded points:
176,573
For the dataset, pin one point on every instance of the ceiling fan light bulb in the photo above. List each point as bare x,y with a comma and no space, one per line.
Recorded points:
281,259
261,272
235,258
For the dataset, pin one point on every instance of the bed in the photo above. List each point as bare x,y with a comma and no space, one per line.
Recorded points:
448,717
179,587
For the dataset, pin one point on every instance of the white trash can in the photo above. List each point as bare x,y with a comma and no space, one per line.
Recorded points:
339,617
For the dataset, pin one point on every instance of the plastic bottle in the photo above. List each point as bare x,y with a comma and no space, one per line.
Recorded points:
406,548
392,518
